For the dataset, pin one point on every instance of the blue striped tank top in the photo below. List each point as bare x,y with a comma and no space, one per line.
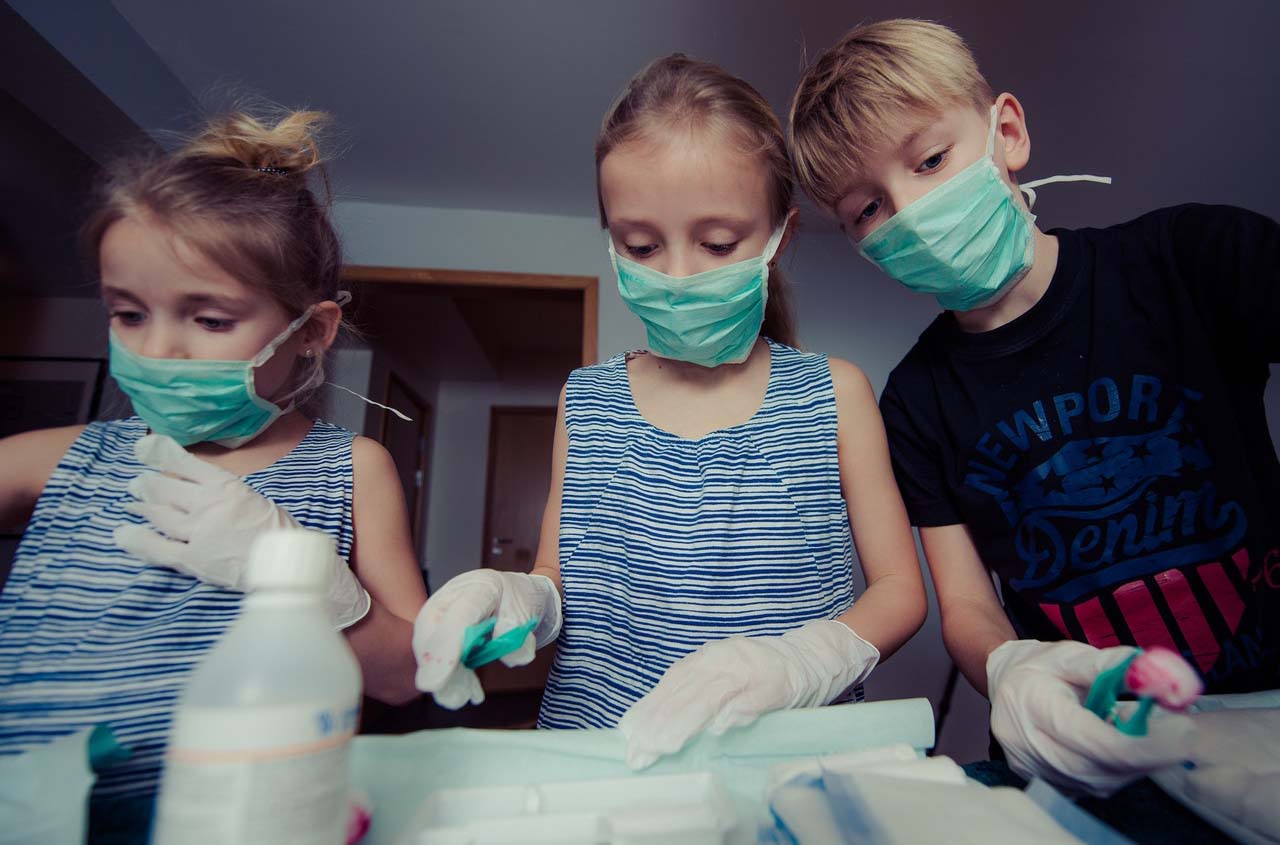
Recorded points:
90,635
667,543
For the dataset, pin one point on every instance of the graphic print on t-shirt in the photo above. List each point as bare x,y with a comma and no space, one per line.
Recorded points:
1128,530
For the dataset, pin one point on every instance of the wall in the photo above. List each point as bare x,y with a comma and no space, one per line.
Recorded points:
406,236
455,523
54,327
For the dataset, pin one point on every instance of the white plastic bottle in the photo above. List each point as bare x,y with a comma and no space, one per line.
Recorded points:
258,749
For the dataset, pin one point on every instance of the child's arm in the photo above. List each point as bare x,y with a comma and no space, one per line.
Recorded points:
894,604
973,622
548,560
383,559
29,459
1036,688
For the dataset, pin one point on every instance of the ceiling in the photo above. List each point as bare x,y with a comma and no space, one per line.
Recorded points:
494,104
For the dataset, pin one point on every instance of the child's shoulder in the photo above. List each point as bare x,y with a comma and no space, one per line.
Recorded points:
609,372
1177,223
850,382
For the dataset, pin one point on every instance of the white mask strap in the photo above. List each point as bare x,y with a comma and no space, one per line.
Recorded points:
771,248
991,136
270,349
370,401
1029,187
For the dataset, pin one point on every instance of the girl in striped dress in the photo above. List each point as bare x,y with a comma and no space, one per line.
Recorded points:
696,563
220,272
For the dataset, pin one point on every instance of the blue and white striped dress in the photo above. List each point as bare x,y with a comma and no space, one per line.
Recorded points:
90,634
667,543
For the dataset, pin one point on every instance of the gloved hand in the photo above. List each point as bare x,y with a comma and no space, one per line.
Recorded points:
1236,772
1036,691
731,682
204,519
468,599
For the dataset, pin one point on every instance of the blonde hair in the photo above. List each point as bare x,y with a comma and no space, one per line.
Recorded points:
238,192
848,99
679,92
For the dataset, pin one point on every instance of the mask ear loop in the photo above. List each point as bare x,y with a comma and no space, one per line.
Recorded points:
343,298
771,248
1029,188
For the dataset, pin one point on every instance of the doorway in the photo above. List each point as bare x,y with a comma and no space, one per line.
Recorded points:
519,478
482,356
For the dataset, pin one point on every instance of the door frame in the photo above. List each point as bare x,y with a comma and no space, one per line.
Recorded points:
588,285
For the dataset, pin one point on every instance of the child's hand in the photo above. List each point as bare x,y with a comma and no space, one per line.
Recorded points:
1036,690
512,598
204,519
732,682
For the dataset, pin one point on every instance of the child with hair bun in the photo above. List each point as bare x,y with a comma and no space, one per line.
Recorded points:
220,272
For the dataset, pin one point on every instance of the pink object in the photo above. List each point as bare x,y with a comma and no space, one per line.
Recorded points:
359,818
1163,675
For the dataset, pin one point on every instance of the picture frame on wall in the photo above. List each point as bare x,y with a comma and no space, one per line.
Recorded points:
48,392
44,393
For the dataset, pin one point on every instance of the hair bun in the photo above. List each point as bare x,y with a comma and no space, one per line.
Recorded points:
286,146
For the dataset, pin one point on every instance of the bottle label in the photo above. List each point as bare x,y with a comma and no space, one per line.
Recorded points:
264,774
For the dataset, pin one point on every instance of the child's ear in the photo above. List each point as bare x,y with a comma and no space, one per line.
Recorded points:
321,330
1011,132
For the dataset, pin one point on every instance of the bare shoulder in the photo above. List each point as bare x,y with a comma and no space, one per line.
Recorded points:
29,459
370,460
850,383
43,447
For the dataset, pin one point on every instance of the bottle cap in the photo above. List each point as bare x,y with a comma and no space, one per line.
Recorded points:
291,559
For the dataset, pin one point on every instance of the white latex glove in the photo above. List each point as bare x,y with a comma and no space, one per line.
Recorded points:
204,519
731,682
1037,715
513,598
1236,774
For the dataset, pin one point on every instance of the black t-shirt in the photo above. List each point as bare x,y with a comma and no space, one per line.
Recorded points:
1109,449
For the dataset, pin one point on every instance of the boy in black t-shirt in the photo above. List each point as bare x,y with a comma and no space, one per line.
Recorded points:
1086,418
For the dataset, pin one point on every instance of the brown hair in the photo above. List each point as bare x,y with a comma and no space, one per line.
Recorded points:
679,91
238,192
848,100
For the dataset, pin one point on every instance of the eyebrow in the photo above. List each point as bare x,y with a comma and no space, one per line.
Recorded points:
227,302
708,220
192,300
108,290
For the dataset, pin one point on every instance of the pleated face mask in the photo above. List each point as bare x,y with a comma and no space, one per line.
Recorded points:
968,240
709,318
194,400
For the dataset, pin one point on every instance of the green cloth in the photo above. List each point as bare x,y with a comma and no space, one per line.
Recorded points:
399,772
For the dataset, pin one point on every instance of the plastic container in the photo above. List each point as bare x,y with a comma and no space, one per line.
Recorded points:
689,809
258,750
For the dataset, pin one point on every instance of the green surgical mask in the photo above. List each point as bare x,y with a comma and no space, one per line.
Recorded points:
197,401
968,240
709,318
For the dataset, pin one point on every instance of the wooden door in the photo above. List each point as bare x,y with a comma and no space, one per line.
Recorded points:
519,478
